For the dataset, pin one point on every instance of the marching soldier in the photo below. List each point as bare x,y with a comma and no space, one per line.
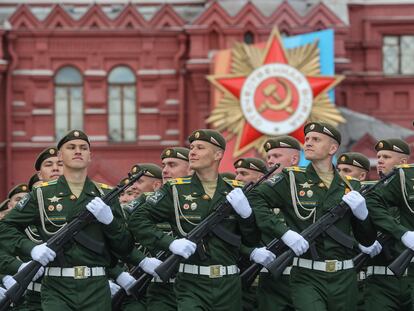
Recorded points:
13,197
284,150
390,213
77,280
207,280
48,165
150,181
249,169
327,281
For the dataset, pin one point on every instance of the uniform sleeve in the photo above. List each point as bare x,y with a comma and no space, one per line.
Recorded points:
263,200
143,221
250,233
12,236
8,263
377,201
118,236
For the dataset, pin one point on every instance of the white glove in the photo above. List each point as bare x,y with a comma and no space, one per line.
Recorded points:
183,247
408,239
100,210
262,256
38,274
2,293
113,287
296,242
125,280
42,254
357,204
149,264
8,281
239,202
372,250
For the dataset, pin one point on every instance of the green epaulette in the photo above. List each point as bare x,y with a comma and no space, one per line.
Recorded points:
351,178
103,186
180,181
405,166
368,182
47,183
295,169
233,182
147,194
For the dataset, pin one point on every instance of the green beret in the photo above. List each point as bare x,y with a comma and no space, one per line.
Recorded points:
355,159
251,164
228,175
175,152
323,128
3,205
18,189
284,141
152,170
210,136
393,144
72,135
45,154
34,179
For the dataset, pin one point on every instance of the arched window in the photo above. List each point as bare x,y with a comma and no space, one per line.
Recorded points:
122,121
68,101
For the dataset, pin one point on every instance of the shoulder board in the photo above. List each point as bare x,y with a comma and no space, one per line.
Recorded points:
368,182
180,181
351,178
103,186
296,169
233,182
147,194
47,183
405,166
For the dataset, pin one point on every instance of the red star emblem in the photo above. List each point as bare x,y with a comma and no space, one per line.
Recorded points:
232,84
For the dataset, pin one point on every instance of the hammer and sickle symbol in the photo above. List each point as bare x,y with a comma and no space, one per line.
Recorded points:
282,104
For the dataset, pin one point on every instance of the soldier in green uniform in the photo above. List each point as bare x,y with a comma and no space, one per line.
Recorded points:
384,291
148,182
326,280
13,197
77,279
48,165
285,151
250,170
207,280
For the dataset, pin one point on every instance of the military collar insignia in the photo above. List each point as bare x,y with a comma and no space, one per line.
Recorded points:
189,197
54,199
306,185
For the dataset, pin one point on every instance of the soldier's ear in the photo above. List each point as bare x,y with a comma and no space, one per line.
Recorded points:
363,175
404,161
334,148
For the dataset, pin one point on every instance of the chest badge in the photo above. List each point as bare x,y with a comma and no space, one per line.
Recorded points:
59,207
189,197
193,206
306,185
50,208
54,199
302,193
309,193
186,206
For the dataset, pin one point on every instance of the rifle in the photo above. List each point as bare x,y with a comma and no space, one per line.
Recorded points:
401,263
360,259
321,226
205,227
138,288
56,243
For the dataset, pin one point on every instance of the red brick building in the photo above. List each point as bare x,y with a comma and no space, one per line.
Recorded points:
132,75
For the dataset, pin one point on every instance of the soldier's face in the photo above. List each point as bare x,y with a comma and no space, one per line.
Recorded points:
174,168
245,175
75,154
127,196
387,159
15,199
319,146
146,184
284,156
50,169
204,155
353,171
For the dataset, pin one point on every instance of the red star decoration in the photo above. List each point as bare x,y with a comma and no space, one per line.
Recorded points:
274,53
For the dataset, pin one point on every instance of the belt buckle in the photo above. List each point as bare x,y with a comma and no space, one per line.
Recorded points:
215,272
80,272
330,265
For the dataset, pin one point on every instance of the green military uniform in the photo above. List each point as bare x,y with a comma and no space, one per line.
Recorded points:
327,282
49,207
209,279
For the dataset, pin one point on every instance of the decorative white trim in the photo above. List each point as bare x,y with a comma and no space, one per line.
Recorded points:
199,61
98,137
95,72
149,110
43,138
342,60
18,103
19,133
42,112
151,72
109,1
149,137
172,132
373,162
172,101
169,142
3,62
33,72
95,111
27,144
